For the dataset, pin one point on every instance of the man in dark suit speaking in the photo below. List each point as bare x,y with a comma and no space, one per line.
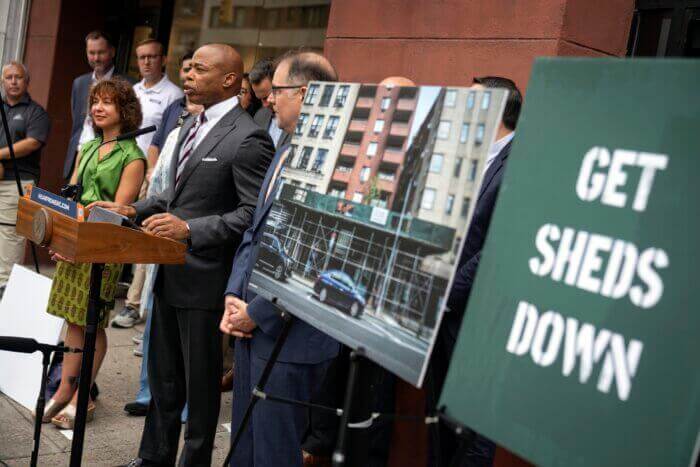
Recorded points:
481,451
216,172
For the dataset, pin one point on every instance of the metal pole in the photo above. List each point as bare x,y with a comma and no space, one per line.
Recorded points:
40,404
339,453
94,305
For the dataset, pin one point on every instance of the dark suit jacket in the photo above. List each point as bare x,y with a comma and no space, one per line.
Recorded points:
79,107
217,198
471,253
305,344
263,117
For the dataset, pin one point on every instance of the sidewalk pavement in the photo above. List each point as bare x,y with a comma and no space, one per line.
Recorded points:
112,438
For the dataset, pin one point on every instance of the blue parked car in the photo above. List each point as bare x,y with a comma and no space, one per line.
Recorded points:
337,289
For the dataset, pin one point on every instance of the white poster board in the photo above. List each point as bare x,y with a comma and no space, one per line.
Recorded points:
23,314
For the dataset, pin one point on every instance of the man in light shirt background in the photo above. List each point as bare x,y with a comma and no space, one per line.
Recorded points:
155,92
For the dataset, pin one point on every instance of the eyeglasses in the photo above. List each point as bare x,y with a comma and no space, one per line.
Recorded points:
277,89
143,58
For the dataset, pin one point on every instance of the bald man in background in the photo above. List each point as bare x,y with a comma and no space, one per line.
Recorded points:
217,169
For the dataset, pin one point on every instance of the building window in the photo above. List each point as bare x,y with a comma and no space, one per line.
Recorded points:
479,138
378,126
387,176
465,207
428,200
444,129
357,196
301,123
455,248
485,100
326,96
342,95
320,159
331,126
450,204
371,149
450,97
472,169
436,163
315,125
470,100
458,167
386,101
290,156
364,174
464,134
338,193
311,94
303,161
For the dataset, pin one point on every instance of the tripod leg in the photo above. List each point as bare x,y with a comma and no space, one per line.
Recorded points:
86,366
339,453
260,386
40,403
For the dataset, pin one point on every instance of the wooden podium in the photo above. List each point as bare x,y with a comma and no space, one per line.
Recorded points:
96,243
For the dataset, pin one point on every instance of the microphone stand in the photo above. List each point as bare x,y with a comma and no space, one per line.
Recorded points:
46,350
40,404
11,149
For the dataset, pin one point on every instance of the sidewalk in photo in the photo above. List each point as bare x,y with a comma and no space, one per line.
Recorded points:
112,438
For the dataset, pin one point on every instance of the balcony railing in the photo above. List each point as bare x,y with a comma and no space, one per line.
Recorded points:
406,104
358,125
341,176
350,150
399,129
393,156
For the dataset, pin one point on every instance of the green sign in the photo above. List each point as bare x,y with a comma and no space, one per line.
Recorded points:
581,344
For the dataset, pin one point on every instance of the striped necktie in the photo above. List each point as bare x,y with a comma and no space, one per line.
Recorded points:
188,146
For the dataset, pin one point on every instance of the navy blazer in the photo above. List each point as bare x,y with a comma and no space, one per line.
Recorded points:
473,244
305,344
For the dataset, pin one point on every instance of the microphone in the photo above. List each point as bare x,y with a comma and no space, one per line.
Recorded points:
27,345
135,133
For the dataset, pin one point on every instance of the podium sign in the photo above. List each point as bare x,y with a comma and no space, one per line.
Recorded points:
579,345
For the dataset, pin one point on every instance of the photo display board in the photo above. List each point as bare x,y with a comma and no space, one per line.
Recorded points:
579,345
364,234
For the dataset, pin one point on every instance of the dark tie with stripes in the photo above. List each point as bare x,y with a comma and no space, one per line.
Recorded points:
188,146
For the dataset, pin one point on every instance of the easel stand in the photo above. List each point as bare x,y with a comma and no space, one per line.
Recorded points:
465,435
356,405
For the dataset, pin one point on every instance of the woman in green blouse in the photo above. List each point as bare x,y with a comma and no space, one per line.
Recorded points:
107,172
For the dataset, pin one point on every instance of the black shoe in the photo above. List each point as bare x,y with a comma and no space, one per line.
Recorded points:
136,409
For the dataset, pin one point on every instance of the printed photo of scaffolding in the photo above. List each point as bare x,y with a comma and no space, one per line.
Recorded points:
366,229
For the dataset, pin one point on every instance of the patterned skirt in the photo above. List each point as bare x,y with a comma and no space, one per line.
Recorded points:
69,292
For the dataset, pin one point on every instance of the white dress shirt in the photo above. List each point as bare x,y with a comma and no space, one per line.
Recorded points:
88,133
214,114
274,130
154,101
496,149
